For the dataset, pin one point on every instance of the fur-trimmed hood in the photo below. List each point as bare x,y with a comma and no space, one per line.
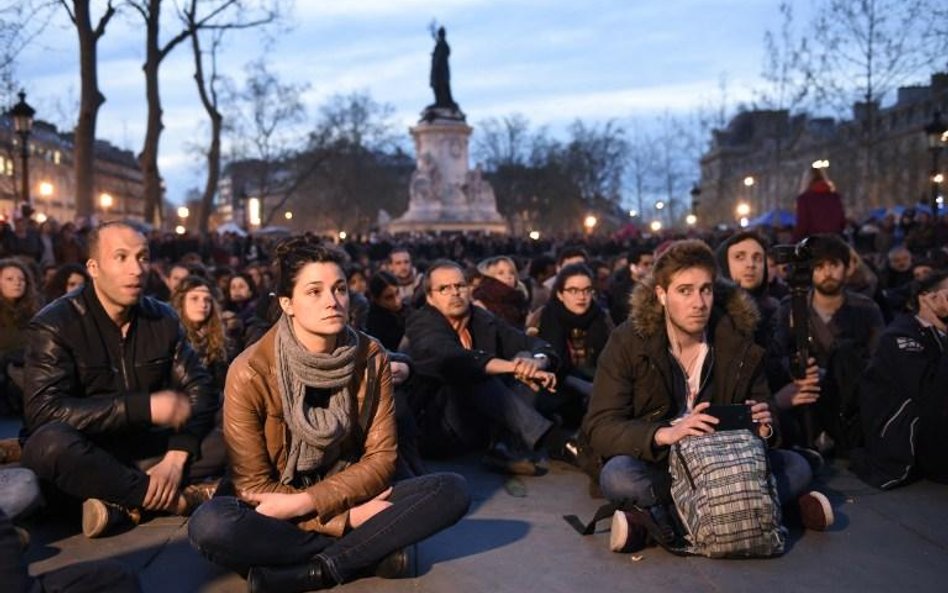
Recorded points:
647,315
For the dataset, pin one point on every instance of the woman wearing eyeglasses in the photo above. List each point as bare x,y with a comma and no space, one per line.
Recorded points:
577,328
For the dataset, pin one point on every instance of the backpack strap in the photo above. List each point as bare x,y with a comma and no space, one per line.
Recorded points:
604,512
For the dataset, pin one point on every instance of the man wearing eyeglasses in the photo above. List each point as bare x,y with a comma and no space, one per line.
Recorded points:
469,365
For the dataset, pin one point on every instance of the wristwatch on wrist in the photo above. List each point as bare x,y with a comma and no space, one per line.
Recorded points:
542,358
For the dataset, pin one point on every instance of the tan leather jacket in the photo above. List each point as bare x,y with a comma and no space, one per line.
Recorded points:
255,434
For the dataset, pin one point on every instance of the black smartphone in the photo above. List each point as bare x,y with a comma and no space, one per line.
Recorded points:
731,416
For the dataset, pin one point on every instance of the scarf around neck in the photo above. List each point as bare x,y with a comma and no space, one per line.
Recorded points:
557,324
316,433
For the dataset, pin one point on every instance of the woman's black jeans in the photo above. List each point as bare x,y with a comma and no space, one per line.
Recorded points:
231,533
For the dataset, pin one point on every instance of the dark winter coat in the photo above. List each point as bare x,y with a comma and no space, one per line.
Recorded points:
638,384
904,401
508,303
439,356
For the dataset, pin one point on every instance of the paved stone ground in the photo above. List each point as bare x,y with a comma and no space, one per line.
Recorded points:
881,542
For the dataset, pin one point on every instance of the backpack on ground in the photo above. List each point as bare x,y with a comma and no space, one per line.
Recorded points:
726,495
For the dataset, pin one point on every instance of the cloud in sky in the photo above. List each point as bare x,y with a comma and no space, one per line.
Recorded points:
550,61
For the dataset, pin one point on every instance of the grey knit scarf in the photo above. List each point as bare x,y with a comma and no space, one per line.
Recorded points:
316,433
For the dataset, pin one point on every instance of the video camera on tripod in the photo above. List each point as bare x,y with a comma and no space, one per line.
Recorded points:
799,259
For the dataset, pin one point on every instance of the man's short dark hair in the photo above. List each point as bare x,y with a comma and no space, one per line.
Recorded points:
828,247
539,265
571,251
637,252
92,240
920,287
436,265
399,249
683,255
745,235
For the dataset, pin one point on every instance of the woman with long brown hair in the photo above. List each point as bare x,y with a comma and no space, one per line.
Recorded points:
199,310
18,304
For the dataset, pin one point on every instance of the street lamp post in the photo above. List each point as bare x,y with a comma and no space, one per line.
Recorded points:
937,134
695,202
750,182
589,223
22,115
743,211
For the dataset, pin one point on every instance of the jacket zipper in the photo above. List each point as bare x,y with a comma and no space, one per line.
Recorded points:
684,466
740,366
124,370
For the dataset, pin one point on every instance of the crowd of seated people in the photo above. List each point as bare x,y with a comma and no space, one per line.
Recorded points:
126,365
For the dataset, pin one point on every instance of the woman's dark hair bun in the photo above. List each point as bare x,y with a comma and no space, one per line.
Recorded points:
291,254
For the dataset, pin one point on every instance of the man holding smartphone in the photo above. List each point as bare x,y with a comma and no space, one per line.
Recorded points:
689,344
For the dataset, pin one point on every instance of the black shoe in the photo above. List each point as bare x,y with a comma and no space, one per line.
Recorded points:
628,532
567,451
500,459
298,578
400,564
663,527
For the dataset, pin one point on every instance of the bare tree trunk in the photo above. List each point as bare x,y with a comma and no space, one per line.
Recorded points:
148,158
209,100
90,102
155,53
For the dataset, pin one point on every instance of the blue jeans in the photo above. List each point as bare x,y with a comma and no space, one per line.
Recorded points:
231,533
646,484
19,492
501,405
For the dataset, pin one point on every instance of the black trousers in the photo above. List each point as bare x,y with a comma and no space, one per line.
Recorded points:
110,467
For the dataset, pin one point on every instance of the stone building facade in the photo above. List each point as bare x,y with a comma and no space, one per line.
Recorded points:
879,158
52,176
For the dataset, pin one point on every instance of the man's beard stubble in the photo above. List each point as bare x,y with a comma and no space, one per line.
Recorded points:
829,288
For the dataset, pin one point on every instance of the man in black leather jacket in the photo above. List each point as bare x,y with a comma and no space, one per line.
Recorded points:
117,404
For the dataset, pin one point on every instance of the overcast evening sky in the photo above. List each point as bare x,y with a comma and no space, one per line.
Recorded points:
552,61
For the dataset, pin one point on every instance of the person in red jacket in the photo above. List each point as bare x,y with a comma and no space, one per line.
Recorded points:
819,207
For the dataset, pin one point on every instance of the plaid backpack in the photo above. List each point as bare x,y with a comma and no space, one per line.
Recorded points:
726,495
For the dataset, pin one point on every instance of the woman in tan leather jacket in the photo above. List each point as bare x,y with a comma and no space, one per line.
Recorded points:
310,428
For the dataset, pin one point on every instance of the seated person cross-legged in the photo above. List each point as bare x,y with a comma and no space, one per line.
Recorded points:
577,328
119,409
688,344
469,368
309,424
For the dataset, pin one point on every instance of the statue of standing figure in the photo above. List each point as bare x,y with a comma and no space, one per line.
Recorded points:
441,74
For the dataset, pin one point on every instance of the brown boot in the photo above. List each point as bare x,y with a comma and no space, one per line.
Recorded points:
196,494
100,517
10,450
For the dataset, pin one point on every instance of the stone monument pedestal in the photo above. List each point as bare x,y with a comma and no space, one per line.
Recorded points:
445,195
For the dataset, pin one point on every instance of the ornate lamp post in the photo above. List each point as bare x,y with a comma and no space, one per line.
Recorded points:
937,134
22,115
695,202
